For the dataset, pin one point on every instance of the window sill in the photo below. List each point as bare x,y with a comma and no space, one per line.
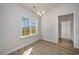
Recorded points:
28,36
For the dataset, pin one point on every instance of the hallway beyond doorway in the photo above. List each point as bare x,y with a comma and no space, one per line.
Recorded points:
66,27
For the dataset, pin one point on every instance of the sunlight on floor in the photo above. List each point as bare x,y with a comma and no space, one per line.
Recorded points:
27,52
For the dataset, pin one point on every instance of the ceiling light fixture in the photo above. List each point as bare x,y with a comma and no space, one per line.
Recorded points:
38,12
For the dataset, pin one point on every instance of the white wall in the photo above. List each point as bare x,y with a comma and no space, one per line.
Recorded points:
50,22
10,21
1,29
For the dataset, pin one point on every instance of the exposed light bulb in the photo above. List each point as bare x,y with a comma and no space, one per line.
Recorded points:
38,13
43,12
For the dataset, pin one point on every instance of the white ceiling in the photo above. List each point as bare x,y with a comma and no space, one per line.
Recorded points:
39,6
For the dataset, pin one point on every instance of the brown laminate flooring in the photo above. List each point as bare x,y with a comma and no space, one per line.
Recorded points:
42,47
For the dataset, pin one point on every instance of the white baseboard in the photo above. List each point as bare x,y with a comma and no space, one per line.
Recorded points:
51,41
17,48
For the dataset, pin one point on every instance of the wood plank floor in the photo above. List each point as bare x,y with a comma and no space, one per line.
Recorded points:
42,47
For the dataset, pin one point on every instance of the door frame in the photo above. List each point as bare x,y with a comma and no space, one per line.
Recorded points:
73,25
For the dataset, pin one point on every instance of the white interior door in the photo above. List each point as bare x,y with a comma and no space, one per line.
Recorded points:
66,29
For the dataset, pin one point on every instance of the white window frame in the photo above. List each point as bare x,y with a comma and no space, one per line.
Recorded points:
30,29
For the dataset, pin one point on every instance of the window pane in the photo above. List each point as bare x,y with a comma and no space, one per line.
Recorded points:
33,27
25,27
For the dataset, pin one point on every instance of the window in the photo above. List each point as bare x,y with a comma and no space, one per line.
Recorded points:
29,27
33,26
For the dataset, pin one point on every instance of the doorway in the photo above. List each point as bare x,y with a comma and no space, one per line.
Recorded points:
66,29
